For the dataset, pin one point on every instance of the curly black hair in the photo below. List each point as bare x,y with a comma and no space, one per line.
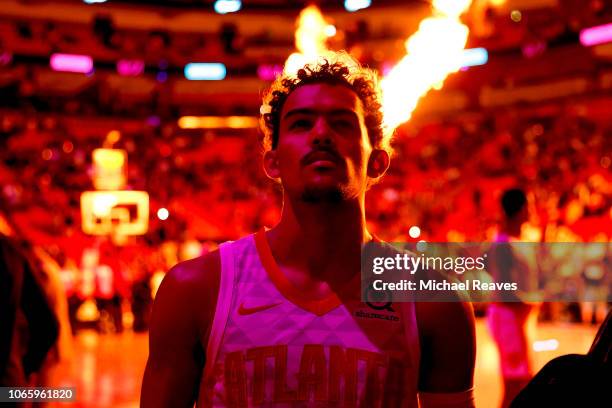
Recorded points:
337,68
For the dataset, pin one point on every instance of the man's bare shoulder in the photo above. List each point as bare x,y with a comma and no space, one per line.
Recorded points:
201,271
190,288
180,325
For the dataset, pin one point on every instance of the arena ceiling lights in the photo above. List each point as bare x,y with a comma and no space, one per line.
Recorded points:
71,63
354,5
596,35
218,122
130,67
205,71
227,6
474,56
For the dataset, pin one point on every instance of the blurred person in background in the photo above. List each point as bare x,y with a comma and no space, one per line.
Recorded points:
110,289
596,276
574,380
70,276
28,325
512,321
50,276
142,299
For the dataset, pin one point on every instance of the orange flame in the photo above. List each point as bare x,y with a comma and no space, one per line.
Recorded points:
310,39
433,52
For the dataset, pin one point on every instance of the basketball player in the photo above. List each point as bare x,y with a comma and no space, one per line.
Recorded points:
513,322
275,319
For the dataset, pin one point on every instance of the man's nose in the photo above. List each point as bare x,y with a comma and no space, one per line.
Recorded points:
321,133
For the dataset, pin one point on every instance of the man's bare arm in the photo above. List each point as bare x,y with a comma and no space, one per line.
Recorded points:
448,350
180,325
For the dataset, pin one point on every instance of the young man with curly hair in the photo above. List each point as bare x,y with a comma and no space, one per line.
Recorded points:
275,319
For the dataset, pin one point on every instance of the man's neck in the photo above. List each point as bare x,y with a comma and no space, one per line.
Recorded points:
320,242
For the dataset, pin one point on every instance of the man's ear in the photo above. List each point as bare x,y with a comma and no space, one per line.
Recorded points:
270,164
378,163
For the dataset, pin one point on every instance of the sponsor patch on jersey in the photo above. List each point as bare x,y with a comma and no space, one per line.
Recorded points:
378,310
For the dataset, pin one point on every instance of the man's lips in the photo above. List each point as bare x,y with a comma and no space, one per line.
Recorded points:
322,157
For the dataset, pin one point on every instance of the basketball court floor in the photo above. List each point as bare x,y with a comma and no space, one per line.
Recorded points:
107,369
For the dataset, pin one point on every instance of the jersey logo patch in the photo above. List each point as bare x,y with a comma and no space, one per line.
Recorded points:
244,311
379,310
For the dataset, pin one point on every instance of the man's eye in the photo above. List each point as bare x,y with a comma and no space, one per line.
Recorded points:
343,124
300,124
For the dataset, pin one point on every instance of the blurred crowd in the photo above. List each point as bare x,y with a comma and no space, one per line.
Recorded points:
447,176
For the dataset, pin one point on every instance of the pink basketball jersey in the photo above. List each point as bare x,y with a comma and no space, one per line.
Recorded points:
271,347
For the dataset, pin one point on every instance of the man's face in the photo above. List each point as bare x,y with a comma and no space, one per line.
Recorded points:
323,147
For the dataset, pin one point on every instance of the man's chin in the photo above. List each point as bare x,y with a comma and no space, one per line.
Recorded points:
330,195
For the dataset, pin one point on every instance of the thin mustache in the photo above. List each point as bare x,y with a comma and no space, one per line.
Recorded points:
309,155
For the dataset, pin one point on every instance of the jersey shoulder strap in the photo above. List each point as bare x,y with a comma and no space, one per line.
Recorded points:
227,279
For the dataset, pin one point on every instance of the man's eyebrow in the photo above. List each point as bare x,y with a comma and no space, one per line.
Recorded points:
309,111
301,111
